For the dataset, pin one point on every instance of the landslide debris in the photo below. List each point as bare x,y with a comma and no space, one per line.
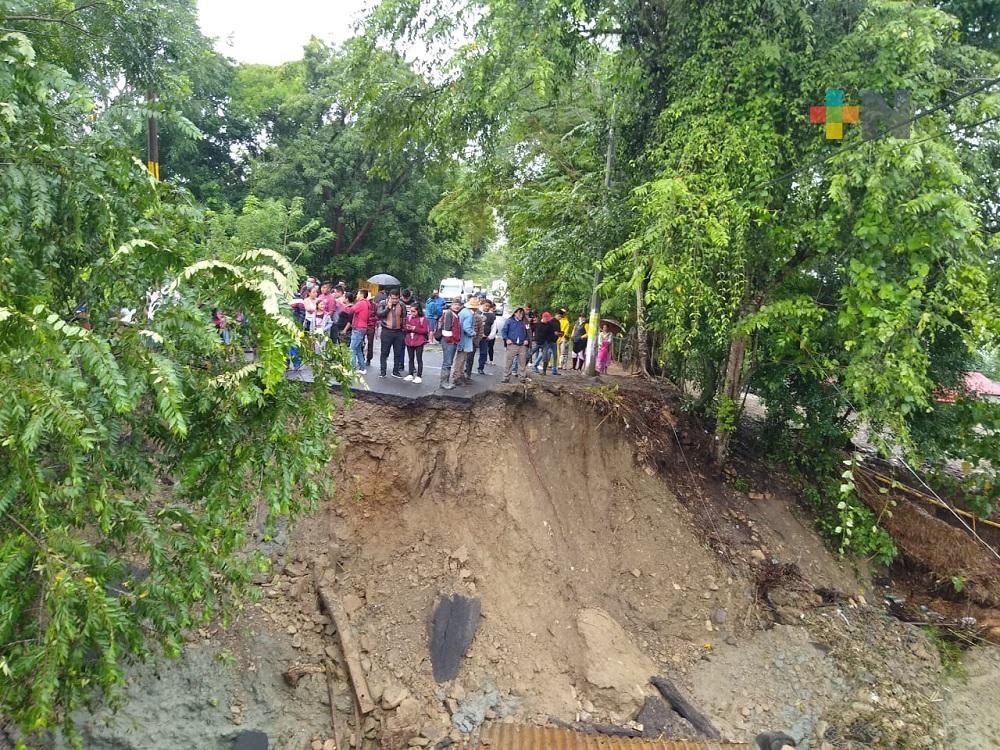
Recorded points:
599,557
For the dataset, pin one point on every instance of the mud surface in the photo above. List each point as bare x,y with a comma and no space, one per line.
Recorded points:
594,572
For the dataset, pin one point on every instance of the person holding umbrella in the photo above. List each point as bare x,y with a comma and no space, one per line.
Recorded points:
604,348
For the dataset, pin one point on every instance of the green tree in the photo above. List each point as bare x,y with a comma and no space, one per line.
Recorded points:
271,223
522,104
842,281
137,450
376,204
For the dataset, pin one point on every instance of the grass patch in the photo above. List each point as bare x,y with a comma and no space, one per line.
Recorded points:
950,651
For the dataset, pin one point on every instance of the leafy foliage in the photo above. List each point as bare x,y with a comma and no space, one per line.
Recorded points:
374,203
137,452
846,283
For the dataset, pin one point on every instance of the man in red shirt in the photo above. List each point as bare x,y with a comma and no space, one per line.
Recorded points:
326,294
360,312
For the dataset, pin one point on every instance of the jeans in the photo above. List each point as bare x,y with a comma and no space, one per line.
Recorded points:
549,350
391,339
535,354
484,350
357,350
447,355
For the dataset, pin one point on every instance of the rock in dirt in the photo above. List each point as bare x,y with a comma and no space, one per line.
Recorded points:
296,569
402,724
659,720
393,695
453,627
472,712
352,603
250,740
775,741
613,662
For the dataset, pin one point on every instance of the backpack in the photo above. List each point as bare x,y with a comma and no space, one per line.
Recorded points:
489,319
447,322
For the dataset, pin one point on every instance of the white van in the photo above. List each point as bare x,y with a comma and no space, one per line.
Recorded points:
451,288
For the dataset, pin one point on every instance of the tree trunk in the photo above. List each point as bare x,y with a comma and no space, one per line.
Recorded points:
730,393
152,139
642,335
335,217
590,362
339,228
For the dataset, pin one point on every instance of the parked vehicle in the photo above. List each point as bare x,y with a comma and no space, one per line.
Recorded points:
452,287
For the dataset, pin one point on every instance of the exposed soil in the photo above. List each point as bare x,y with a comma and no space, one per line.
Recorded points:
598,563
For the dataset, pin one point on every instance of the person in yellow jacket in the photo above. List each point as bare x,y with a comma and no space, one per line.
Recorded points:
563,341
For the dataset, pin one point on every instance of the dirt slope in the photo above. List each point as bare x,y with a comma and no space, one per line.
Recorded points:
594,572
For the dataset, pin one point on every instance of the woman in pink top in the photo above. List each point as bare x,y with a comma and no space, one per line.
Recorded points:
310,305
416,330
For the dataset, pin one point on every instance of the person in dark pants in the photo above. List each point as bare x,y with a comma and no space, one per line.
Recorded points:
489,335
392,314
478,322
370,329
415,340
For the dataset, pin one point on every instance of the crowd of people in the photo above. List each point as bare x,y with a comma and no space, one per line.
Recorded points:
466,330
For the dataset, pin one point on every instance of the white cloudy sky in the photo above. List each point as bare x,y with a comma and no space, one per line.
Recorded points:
274,31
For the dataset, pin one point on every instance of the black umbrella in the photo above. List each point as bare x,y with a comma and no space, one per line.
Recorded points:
384,279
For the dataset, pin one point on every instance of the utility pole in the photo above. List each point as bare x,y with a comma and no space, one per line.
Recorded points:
152,140
590,362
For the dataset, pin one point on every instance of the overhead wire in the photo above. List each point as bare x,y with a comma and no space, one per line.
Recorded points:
908,467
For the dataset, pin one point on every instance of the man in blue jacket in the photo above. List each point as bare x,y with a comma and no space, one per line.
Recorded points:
467,318
515,338
433,308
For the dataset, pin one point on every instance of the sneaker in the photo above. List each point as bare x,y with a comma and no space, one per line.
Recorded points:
504,380
480,372
397,375
408,378
554,372
381,374
537,370
363,372
418,380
